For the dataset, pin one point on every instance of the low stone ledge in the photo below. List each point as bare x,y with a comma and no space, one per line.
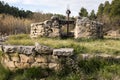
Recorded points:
63,52
20,57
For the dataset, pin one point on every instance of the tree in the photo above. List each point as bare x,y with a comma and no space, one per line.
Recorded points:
107,8
83,12
100,10
115,8
92,15
7,9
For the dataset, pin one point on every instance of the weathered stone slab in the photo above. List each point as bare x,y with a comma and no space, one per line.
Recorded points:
26,50
9,49
63,52
41,49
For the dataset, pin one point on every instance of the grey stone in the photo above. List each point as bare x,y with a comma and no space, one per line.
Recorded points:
9,49
41,49
63,52
26,50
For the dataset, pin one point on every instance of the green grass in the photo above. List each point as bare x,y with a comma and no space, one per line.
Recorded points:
91,69
92,46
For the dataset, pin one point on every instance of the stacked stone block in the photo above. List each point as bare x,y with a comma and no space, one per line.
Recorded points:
22,57
48,28
86,28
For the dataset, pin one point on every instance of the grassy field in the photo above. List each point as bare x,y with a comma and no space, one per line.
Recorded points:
91,46
91,69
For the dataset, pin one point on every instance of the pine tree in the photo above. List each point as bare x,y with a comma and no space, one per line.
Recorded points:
115,8
107,8
100,10
92,15
83,12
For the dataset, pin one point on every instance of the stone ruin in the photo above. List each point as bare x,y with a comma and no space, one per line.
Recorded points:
41,56
86,28
23,57
48,28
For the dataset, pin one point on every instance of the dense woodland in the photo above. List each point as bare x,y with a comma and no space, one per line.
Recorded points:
14,20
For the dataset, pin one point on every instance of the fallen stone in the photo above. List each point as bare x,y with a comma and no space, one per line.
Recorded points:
63,52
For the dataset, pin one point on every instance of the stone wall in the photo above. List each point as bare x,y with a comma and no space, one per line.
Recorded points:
48,28
88,29
22,57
